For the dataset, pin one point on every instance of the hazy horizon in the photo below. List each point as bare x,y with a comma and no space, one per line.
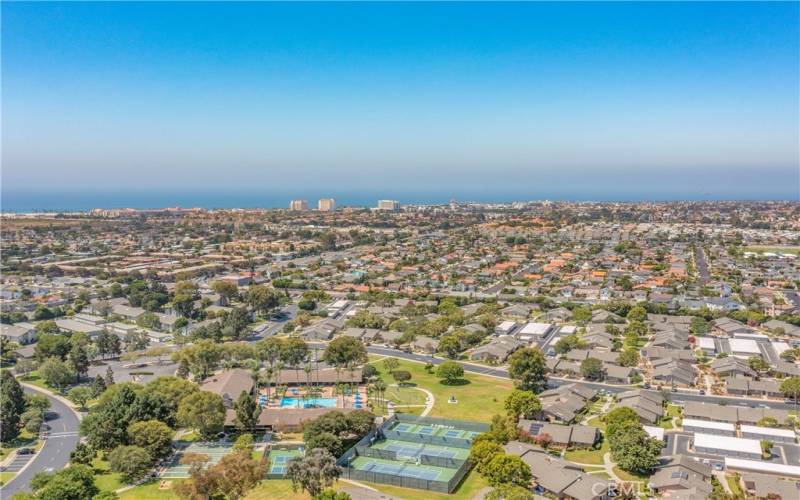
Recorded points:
621,101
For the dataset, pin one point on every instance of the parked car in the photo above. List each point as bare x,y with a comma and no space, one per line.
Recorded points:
26,451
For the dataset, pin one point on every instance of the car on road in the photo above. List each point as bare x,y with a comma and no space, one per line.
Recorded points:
26,451
702,392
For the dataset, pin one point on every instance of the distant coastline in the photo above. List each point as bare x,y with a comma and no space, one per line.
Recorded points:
81,201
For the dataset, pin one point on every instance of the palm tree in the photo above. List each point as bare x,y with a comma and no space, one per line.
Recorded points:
380,388
307,369
269,372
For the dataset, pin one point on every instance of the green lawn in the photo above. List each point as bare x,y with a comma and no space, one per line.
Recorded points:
588,456
478,400
6,477
104,478
278,489
24,438
148,491
597,422
627,476
33,379
733,482
473,483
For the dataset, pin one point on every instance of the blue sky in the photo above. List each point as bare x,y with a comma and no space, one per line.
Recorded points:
669,100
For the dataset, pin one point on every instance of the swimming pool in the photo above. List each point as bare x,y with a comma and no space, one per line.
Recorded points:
308,402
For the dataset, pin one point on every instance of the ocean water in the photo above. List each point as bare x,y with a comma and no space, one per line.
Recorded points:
32,201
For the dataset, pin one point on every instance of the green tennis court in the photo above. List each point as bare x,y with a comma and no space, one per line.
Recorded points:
279,459
433,430
412,449
405,469
215,451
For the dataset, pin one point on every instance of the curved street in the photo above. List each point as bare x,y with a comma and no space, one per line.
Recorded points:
54,454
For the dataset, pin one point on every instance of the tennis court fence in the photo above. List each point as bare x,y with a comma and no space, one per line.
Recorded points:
364,448
438,461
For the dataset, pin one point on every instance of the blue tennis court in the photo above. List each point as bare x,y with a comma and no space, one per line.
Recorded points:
403,427
415,451
279,460
425,430
400,470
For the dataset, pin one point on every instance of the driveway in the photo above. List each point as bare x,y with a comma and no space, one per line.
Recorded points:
54,455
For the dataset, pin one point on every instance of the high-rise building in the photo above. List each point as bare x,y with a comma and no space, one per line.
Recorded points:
326,205
393,205
298,205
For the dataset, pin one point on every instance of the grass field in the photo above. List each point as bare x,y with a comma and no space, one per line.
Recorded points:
148,491
24,438
473,483
278,490
478,400
787,249
627,476
6,477
103,478
588,456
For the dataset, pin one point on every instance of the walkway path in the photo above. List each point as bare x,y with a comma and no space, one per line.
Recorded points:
428,402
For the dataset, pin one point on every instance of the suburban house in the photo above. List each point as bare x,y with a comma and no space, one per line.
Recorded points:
229,384
497,350
557,477
564,403
21,333
649,405
682,476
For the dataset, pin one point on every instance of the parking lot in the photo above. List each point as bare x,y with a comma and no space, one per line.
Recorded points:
677,443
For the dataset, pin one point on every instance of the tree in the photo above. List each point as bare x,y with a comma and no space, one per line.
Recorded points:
758,364
450,346
307,305
528,369
633,450
503,429
244,443
522,404
766,449
510,492
637,313
12,404
152,435
136,340
617,418
226,290
203,411
698,326
482,452
80,395
450,371
132,462
507,469
57,373
236,474
262,299
331,494
345,352
247,412
391,364
790,388
109,379
149,320
592,368
76,482
568,343
327,441
79,359
314,472
51,346
629,357
82,454
401,376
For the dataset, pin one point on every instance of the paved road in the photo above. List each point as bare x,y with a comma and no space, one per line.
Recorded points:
287,313
54,455
677,397
702,265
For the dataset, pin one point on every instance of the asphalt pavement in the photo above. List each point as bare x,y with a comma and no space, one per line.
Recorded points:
54,454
